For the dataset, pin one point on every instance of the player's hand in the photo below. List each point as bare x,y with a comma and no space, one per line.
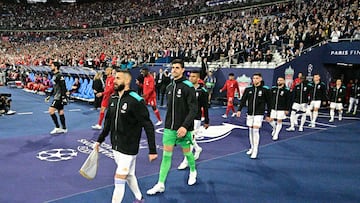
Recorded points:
152,157
98,94
181,132
238,114
220,91
268,119
286,112
96,146
206,126
47,99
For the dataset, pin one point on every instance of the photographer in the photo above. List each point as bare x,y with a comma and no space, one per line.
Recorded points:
5,104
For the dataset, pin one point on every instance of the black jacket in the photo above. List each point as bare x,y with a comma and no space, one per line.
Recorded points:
355,91
125,118
337,95
181,105
301,93
318,92
256,98
202,97
280,98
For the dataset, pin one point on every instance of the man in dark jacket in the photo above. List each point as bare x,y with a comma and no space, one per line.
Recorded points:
255,97
337,98
317,96
301,93
280,104
126,116
179,122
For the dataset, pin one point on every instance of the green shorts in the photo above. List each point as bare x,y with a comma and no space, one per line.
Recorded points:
170,139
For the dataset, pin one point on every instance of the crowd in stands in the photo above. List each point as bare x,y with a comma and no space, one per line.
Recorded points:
235,36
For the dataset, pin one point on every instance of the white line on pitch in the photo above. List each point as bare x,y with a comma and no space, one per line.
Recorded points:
25,113
74,109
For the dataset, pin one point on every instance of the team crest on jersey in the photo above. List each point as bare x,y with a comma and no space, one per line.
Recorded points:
112,104
340,90
318,86
282,93
178,94
250,92
305,88
260,93
197,94
124,107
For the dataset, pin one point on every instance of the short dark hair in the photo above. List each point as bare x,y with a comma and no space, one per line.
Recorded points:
257,74
231,74
57,65
281,77
195,71
180,61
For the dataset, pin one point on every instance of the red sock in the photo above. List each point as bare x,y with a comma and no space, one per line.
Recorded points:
157,114
232,108
227,110
101,118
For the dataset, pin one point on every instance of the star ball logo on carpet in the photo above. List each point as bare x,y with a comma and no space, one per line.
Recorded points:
213,133
62,154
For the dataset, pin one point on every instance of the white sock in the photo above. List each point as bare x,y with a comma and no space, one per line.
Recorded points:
134,187
251,138
278,129
340,115
292,119
351,103
273,124
119,190
315,115
355,107
303,119
332,114
256,139
195,144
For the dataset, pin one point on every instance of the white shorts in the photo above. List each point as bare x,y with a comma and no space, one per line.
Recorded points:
276,114
314,104
299,107
354,100
254,120
337,106
125,163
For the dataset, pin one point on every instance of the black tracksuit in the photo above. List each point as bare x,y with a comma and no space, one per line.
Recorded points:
355,91
202,98
182,105
318,92
337,95
301,93
256,98
125,118
280,98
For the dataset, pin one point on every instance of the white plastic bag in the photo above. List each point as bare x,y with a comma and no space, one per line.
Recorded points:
89,167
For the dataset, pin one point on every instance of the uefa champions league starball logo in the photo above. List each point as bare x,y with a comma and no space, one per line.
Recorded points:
55,155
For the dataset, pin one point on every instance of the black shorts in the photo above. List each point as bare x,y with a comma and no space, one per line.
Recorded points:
57,104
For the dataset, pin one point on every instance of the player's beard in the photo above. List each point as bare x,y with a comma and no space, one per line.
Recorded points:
119,87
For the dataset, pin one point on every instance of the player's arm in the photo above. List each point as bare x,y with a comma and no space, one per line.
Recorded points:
242,102
205,105
224,87
109,89
107,127
192,103
143,117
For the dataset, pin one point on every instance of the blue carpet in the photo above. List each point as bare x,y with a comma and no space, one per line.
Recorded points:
317,165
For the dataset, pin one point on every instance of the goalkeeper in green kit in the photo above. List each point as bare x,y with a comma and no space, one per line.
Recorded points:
179,122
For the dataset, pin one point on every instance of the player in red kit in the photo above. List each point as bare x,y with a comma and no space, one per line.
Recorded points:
231,86
149,93
108,91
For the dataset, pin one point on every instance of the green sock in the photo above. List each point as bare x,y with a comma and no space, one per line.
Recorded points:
165,166
191,161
